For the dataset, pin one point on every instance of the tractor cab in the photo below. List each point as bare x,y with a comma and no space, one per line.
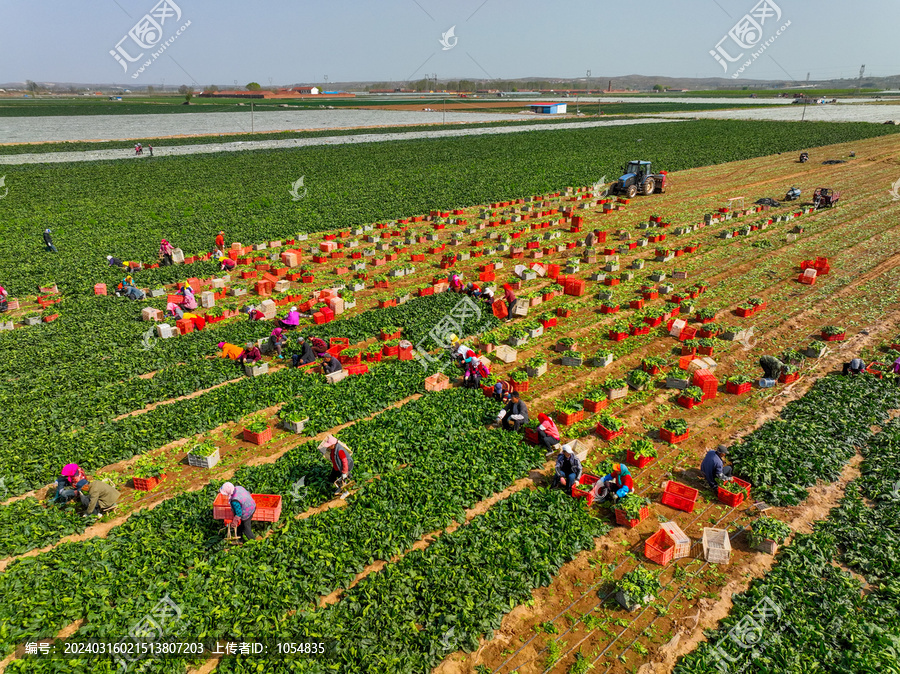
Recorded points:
639,169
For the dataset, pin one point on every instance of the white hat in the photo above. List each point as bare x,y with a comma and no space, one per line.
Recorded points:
109,257
293,308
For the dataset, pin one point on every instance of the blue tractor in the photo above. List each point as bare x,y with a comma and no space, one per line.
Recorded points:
638,177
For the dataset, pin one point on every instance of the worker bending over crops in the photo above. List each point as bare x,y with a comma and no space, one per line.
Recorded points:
232,351
614,486
341,458
126,288
568,469
476,370
226,263
97,496
713,467
242,507
456,285
547,431
502,391
276,342
855,366
771,366
71,479
291,321
174,311
510,298
189,302
306,355
458,350
250,354
514,414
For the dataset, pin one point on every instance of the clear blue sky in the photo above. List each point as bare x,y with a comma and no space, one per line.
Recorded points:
395,40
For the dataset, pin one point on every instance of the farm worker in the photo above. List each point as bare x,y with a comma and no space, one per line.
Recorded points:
232,351
330,364
458,350
567,470
150,147
67,484
48,241
226,263
514,414
276,342
254,313
173,309
341,458
4,300
250,354
189,302
129,290
473,290
220,241
165,253
242,507
590,239
306,355
488,296
547,431
896,369
292,320
476,372
771,366
318,345
714,468
510,298
614,486
98,496
455,283
114,261
3,293
855,366
502,391
198,321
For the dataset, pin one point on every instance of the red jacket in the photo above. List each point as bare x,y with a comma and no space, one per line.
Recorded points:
220,241
340,458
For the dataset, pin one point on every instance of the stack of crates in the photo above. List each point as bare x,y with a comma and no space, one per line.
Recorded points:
705,380
681,539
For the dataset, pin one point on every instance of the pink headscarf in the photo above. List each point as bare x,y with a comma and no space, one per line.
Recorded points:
227,489
70,469
221,345
171,306
276,333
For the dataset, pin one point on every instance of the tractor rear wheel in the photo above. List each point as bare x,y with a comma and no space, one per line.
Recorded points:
631,191
649,186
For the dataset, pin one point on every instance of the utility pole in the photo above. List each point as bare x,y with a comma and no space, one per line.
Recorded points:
862,71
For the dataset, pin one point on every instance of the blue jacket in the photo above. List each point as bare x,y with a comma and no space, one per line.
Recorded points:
622,479
574,465
712,468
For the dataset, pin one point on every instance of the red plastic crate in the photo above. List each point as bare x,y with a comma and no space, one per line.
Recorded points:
738,389
622,521
834,338
686,403
359,368
569,419
638,463
668,436
257,438
660,548
147,483
594,405
607,434
680,497
734,500
789,378
268,508
585,487
686,334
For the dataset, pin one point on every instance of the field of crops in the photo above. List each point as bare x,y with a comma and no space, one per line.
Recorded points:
450,553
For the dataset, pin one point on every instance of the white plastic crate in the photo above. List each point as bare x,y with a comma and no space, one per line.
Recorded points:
716,546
